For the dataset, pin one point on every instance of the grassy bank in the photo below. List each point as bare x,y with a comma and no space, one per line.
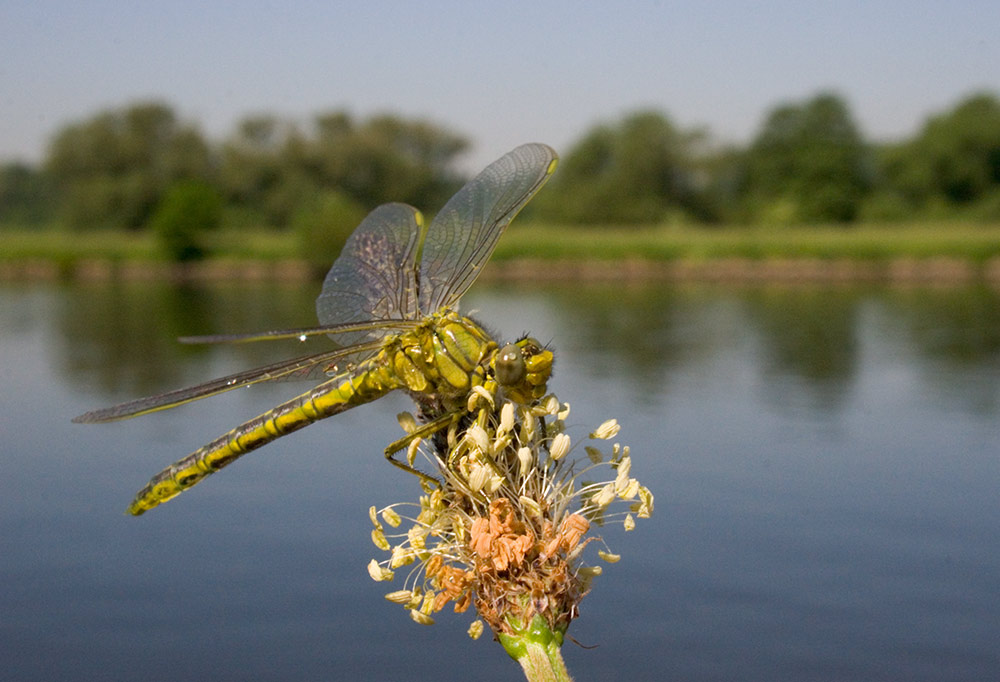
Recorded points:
68,252
976,243
61,246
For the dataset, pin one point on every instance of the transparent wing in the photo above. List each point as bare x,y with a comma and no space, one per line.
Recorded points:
462,236
322,364
331,330
375,277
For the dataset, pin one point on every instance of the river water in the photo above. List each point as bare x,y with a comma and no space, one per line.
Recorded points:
826,462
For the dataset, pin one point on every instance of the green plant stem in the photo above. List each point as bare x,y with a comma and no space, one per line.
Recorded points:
538,651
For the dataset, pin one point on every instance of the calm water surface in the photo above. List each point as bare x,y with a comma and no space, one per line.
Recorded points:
826,464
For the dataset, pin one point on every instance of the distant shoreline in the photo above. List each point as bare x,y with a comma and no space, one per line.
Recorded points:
941,270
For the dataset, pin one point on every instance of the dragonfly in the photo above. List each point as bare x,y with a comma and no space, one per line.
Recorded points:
390,305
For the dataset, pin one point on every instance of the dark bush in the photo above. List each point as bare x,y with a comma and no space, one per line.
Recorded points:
323,225
188,210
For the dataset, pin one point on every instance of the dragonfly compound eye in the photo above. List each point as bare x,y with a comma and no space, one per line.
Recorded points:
510,365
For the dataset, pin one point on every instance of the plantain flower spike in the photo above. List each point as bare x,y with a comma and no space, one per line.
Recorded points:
507,529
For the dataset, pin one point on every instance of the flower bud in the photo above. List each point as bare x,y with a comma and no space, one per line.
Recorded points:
559,447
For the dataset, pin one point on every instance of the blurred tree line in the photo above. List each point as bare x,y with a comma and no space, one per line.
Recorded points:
141,167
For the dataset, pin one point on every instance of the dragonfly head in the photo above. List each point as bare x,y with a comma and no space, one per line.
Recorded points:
523,369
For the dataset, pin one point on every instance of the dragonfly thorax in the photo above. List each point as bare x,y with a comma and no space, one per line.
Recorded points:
441,360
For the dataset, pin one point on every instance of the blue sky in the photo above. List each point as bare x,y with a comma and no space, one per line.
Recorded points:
502,73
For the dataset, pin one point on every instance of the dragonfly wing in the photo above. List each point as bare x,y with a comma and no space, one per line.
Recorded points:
462,236
332,330
375,277
319,364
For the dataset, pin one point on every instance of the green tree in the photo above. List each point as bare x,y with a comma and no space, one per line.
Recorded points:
387,158
323,225
264,172
271,167
954,161
640,170
808,163
113,169
26,195
723,170
187,211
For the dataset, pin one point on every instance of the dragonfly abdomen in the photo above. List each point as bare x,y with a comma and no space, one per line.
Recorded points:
326,400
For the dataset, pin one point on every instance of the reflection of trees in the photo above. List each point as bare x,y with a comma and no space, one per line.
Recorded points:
807,334
637,333
956,340
123,336
960,326
632,332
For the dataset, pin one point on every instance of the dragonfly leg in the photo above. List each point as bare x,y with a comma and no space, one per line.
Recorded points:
422,431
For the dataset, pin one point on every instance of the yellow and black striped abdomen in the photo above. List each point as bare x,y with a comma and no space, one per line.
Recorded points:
329,398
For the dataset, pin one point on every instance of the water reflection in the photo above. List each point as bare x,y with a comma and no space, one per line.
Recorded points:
955,334
808,341
782,549
636,333
960,327
122,337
